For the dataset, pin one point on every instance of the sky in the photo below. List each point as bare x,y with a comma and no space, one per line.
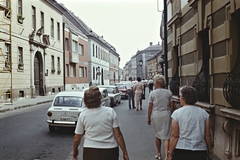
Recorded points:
128,25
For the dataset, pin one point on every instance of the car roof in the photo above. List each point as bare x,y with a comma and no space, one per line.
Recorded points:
121,83
100,89
70,93
103,86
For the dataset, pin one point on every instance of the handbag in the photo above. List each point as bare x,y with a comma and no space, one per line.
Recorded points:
143,96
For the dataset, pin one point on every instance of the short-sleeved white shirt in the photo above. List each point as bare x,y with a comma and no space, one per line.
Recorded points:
129,85
98,124
191,121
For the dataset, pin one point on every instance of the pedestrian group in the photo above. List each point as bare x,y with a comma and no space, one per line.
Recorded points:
185,132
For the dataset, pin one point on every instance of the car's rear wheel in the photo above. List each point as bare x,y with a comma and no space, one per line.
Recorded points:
51,128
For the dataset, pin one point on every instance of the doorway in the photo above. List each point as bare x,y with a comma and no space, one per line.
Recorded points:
38,74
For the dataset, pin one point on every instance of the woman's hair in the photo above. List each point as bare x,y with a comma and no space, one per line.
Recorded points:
92,97
189,94
139,79
160,80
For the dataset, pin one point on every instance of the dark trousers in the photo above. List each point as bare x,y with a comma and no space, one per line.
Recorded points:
100,154
130,98
150,87
180,154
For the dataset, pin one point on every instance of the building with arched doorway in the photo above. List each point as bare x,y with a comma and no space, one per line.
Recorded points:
35,50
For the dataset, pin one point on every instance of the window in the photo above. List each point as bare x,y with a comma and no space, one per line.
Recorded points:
58,30
52,62
74,46
20,55
93,73
85,73
72,70
7,55
169,10
80,49
42,21
20,7
81,72
96,52
67,70
183,3
93,50
7,49
33,17
52,28
58,63
7,12
66,44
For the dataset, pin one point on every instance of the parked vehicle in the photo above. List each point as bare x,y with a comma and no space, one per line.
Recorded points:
113,93
122,87
65,109
106,99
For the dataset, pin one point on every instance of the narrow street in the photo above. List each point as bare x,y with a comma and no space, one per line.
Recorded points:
25,136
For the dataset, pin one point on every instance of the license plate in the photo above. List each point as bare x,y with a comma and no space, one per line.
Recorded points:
64,119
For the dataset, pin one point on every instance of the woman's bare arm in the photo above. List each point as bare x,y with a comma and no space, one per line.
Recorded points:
120,140
208,139
174,138
76,142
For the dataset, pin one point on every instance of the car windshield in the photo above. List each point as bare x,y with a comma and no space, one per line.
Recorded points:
110,90
121,86
68,101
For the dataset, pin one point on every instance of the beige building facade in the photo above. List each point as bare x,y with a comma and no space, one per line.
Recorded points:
31,45
203,52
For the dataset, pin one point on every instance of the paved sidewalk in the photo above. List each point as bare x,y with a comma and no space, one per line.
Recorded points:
22,103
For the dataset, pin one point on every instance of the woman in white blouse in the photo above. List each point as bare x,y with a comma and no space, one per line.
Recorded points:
100,127
190,137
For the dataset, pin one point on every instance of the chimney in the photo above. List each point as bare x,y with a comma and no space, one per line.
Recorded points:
150,43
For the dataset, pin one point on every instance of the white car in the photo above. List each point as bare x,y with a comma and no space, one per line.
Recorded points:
65,109
113,93
105,98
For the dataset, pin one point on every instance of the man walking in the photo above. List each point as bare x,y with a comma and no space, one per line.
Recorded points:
129,86
150,84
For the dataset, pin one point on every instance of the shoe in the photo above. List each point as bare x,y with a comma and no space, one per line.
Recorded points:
129,108
158,156
136,109
140,108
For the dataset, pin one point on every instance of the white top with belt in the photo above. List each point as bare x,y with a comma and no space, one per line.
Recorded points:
129,85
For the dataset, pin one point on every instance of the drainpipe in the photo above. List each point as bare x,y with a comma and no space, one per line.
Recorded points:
64,80
165,43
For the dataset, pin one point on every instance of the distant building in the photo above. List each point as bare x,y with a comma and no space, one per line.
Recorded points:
138,63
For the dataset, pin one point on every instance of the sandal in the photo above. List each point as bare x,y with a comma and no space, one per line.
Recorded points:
158,156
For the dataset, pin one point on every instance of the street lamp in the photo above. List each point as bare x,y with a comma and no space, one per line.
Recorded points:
140,64
150,73
161,62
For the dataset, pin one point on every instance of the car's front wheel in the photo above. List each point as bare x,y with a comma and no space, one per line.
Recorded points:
112,104
51,128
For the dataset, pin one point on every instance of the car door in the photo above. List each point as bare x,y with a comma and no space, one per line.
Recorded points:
104,103
108,100
118,95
